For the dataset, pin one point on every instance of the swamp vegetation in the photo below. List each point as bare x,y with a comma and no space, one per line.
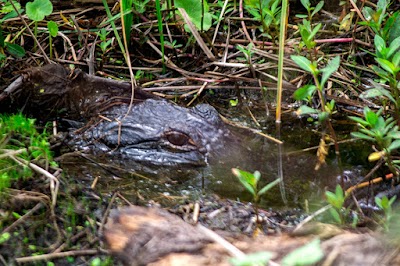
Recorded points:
321,77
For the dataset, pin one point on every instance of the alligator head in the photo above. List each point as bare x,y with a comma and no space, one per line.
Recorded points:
161,133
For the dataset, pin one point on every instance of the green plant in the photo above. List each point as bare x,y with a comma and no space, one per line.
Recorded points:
160,30
388,59
336,200
381,23
250,182
7,11
311,11
53,31
252,259
268,12
127,18
307,29
198,12
309,254
382,132
140,5
37,10
20,143
13,49
247,52
307,92
104,45
386,205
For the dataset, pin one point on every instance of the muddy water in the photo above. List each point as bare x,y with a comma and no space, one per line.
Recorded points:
140,183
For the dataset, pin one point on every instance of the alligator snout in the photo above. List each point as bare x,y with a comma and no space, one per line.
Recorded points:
161,133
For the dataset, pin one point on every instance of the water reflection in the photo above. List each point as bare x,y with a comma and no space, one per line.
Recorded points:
139,182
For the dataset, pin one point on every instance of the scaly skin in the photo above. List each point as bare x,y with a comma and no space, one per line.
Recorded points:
161,133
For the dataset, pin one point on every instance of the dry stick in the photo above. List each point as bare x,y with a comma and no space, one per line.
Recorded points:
128,61
228,36
57,255
23,218
367,183
316,147
106,213
309,218
219,21
196,34
32,35
251,129
198,93
242,22
234,251
71,46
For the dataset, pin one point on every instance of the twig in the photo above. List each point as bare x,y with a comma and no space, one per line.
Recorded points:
31,33
52,256
312,216
242,22
106,213
23,217
196,34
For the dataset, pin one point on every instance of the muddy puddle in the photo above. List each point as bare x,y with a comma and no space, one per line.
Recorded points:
304,187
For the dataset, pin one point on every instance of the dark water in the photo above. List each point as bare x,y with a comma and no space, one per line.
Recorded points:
140,183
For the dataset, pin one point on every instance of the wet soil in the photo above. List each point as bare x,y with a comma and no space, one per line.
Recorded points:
93,184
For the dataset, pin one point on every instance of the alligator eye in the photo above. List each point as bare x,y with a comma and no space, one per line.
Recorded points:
177,138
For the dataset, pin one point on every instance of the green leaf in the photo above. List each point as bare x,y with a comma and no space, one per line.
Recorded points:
378,202
233,102
8,7
359,120
394,30
38,9
393,47
331,198
386,65
259,258
194,10
308,254
339,193
371,118
335,214
380,44
368,13
394,134
360,135
394,145
304,93
377,92
53,28
304,63
4,237
126,12
247,179
314,32
396,60
331,68
322,116
15,50
301,16
392,199
317,8
305,110
268,186
306,4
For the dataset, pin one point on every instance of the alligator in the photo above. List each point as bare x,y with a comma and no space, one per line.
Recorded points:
160,133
